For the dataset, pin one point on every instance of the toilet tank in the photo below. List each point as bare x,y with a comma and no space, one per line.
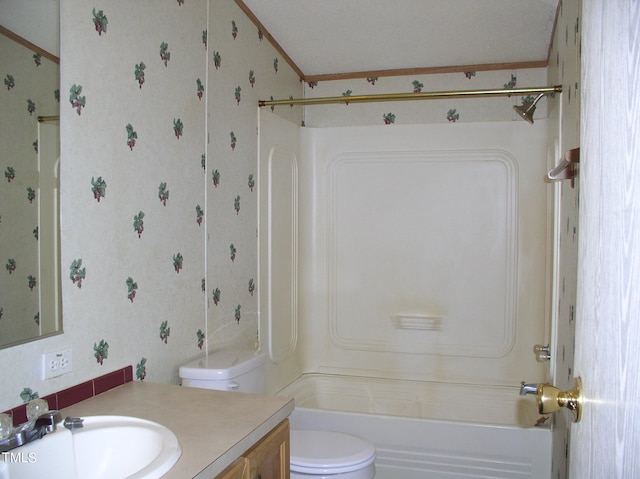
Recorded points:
227,370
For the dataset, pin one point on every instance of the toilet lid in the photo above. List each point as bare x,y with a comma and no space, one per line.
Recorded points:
329,452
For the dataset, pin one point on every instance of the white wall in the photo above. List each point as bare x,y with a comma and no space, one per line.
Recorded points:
35,20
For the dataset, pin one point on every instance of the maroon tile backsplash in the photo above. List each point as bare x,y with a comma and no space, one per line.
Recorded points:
80,392
75,394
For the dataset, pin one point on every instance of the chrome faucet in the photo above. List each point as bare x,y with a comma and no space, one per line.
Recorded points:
528,389
549,398
31,430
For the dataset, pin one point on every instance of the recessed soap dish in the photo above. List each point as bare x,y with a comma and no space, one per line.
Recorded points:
419,321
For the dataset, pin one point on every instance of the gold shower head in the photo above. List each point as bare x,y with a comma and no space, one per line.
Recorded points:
526,110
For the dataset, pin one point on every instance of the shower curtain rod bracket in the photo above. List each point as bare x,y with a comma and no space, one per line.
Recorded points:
48,118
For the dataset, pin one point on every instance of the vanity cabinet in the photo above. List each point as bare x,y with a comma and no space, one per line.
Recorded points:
267,459
239,469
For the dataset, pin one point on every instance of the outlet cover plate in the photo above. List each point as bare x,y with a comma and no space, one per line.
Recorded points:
57,363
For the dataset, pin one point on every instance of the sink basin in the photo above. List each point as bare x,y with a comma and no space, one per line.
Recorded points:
105,447
118,446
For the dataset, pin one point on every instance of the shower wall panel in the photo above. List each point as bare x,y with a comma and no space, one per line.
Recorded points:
278,247
423,251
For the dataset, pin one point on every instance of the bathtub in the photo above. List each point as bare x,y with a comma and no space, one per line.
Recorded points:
418,434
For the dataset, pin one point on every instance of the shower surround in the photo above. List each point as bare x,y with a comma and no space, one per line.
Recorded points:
404,280
420,254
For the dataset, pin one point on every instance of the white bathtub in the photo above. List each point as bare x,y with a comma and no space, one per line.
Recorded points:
412,445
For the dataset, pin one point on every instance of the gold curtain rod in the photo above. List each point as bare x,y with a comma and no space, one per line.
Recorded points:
48,118
434,95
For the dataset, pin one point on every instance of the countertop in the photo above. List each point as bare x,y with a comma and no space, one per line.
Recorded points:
213,427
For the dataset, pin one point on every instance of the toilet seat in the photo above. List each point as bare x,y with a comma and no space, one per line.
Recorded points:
329,452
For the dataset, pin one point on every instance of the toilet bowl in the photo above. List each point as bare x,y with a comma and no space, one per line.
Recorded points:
314,454
330,455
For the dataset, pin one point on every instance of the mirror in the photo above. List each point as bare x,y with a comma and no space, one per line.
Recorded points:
30,296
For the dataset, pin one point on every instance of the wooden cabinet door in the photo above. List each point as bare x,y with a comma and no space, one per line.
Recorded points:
269,458
239,469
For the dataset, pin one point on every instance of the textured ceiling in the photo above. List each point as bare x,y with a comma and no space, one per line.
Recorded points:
339,36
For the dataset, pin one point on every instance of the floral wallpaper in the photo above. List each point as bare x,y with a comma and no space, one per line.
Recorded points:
158,200
30,89
236,82
427,111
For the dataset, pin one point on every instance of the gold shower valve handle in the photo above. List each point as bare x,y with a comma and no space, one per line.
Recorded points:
550,399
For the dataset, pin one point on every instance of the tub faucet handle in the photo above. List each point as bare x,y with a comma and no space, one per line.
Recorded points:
528,389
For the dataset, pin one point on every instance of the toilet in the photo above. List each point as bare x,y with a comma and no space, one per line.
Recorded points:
314,454
330,454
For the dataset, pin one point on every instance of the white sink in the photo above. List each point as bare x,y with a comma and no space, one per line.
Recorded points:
118,446
108,447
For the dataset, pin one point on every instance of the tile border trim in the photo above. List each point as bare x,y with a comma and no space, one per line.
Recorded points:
79,392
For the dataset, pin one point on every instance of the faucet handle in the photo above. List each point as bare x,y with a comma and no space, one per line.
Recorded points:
36,408
6,426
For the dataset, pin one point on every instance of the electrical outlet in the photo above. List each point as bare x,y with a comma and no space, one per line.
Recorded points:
57,363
